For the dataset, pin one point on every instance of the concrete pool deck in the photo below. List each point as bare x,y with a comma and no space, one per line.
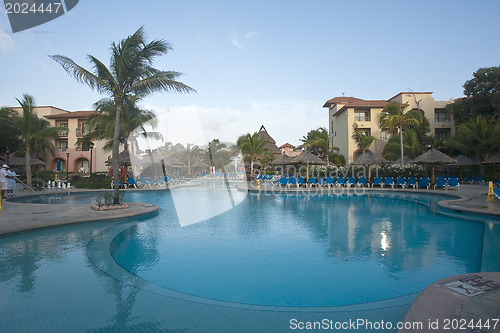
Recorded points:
436,302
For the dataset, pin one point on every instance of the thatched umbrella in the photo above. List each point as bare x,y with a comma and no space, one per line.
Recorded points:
123,159
307,158
463,161
283,160
495,159
18,161
406,160
368,159
434,157
199,165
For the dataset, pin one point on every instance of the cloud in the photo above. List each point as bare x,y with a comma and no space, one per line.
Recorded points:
285,120
237,39
6,42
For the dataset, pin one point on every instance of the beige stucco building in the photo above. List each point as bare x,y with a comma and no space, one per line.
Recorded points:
346,114
80,155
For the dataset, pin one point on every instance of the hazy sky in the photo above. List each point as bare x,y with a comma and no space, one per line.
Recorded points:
260,62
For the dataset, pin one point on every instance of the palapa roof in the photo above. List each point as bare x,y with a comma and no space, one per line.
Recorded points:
464,160
434,156
179,148
21,161
282,159
406,160
271,143
123,158
307,158
369,158
495,159
171,161
199,164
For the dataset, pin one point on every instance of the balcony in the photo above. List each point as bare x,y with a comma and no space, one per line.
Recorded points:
63,133
81,132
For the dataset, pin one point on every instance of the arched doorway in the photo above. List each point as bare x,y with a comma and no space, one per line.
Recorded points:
82,165
63,164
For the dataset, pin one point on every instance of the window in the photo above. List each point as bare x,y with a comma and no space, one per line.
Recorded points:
63,145
63,133
442,134
441,115
361,115
385,135
365,131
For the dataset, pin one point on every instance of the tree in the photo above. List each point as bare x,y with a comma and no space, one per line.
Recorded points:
482,96
363,140
33,133
477,137
394,117
130,73
317,142
412,146
252,147
214,152
191,152
133,119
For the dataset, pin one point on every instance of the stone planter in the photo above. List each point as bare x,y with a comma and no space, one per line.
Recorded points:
110,207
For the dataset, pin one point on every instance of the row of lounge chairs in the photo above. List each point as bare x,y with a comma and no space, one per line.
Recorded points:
147,182
402,182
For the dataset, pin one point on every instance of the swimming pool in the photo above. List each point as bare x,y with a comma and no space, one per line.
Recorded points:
252,268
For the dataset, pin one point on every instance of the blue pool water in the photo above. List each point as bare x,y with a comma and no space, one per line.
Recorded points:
277,255
293,250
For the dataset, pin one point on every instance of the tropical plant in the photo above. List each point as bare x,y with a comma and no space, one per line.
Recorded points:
395,117
412,146
477,137
134,121
33,132
363,140
215,153
130,73
252,147
317,142
189,154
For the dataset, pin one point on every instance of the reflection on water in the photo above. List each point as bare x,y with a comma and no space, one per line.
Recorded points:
299,250
48,283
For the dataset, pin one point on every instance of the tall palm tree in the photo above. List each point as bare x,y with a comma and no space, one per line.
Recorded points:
133,119
252,147
130,73
33,132
396,117
317,142
191,152
214,151
478,136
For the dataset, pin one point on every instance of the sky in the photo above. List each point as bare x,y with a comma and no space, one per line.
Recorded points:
273,63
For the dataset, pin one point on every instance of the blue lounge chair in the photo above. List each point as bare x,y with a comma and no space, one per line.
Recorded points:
259,177
389,181
400,181
453,182
496,193
282,181
479,180
361,182
340,182
377,181
469,179
351,181
424,182
153,182
292,181
412,181
440,183
120,184
321,181
312,181
301,181
329,181
145,183
132,182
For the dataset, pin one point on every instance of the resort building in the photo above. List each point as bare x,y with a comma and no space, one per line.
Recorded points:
347,114
289,149
73,156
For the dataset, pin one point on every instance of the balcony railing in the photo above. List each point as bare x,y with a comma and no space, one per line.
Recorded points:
63,133
81,132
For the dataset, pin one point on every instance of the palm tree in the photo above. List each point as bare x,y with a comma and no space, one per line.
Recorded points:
479,137
412,146
134,120
252,147
130,73
363,140
33,132
317,142
214,151
395,117
191,152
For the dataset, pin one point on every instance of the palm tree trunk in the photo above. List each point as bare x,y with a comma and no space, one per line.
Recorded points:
401,143
116,146
251,168
28,165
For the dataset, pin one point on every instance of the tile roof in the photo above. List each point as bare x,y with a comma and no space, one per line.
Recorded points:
354,102
76,114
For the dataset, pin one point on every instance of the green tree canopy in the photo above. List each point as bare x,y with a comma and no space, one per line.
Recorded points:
317,142
130,73
482,96
252,147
